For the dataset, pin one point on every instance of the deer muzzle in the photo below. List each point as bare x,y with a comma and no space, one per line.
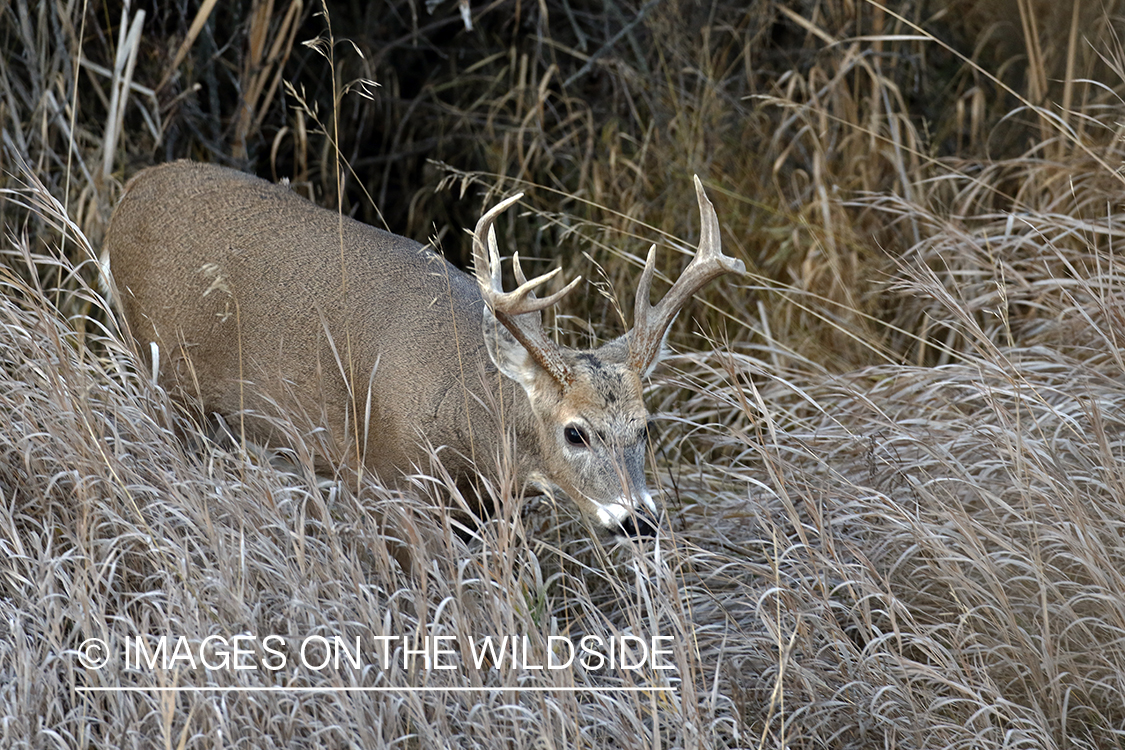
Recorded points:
629,519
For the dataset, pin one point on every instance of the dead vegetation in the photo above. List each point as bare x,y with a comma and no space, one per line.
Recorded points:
892,453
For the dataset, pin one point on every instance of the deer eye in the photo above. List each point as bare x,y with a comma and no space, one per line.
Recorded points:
576,436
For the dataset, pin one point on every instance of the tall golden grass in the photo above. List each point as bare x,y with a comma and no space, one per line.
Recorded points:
893,454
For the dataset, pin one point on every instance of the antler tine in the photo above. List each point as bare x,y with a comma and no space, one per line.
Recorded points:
522,281
484,240
650,323
518,310
523,300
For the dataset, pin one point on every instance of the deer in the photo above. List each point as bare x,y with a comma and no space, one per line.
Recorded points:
262,304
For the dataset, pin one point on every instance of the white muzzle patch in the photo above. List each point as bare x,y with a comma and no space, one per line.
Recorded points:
612,515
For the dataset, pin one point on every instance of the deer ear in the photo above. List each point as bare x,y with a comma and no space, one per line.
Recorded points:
509,355
620,347
661,353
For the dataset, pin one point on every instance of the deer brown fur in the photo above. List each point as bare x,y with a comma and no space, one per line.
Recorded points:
262,304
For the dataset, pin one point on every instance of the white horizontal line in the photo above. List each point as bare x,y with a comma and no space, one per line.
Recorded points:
282,689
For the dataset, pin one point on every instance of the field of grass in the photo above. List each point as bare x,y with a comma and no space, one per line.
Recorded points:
892,455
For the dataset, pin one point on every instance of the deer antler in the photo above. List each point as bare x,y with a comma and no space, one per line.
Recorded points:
650,323
518,310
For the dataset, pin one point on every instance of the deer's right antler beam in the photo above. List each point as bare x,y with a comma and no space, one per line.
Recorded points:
518,310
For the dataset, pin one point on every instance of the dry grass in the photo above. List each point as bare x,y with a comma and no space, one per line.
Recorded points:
895,476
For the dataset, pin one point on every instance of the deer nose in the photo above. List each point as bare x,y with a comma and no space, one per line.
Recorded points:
641,523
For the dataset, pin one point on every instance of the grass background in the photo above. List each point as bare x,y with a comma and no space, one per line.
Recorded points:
891,454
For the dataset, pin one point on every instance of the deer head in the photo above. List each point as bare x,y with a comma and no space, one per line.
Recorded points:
589,415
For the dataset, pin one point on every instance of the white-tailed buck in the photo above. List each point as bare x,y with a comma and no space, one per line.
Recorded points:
263,304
